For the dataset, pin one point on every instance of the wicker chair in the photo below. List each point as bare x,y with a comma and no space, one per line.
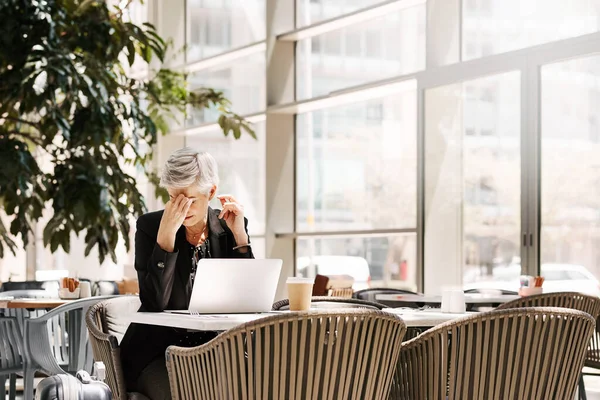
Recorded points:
327,302
523,353
348,354
576,301
573,300
107,322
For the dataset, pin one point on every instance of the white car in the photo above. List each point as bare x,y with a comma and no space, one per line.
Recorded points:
356,267
558,278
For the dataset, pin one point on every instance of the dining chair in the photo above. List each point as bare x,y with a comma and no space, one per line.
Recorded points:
57,342
521,353
340,354
28,285
576,301
370,294
107,323
11,355
328,302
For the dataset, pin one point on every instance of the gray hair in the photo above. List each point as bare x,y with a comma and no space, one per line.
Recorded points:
186,167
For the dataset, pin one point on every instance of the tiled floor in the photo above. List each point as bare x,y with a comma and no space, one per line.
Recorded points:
592,385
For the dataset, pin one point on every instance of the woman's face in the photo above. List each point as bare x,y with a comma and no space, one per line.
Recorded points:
199,208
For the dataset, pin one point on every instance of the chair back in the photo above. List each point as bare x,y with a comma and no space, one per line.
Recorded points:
21,314
573,300
348,354
327,302
105,288
29,285
371,294
522,353
107,322
11,348
576,301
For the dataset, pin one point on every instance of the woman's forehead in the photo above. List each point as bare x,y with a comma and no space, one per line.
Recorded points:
190,191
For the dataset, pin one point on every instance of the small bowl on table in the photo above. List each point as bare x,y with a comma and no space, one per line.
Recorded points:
528,291
66,294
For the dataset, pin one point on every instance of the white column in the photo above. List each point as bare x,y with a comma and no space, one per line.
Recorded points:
280,154
439,250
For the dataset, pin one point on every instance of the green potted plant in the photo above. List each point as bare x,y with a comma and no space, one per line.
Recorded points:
73,124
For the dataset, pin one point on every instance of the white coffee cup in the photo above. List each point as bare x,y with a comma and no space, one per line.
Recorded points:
85,289
453,300
457,302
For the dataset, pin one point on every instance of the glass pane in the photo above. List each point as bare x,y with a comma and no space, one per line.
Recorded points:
472,182
372,261
313,11
570,234
357,165
492,27
373,50
215,26
242,82
241,170
258,247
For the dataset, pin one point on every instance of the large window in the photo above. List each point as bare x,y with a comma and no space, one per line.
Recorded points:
314,11
241,170
497,26
215,26
570,122
242,81
356,171
472,181
376,49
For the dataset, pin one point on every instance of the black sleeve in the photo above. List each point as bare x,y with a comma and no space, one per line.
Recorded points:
247,254
156,271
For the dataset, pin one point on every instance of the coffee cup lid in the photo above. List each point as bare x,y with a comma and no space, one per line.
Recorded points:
299,279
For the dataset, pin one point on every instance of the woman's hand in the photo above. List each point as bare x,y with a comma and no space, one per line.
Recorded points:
233,214
172,219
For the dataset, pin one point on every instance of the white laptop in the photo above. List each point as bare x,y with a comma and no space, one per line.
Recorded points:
234,285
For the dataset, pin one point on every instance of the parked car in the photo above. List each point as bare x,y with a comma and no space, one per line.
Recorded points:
356,267
558,278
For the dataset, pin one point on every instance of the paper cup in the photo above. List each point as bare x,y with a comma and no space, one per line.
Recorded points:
300,293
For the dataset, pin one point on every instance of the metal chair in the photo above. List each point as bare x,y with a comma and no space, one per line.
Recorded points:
575,301
105,288
29,285
57,343
503,292
349,354
327,302
11,355
521,353
371,293
107,322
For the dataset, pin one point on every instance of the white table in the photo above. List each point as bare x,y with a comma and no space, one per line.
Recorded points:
469,298
425,318
204,322
223,322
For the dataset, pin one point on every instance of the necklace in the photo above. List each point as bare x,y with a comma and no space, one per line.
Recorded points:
198,238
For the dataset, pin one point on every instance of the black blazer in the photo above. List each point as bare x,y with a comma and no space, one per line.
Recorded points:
165,284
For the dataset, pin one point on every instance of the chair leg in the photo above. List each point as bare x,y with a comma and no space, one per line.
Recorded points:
12,393
581,388
28,383
3,388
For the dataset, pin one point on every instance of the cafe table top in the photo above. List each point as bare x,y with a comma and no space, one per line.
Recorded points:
32,303
469,298
223,322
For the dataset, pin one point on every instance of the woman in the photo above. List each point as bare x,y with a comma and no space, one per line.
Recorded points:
168,245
